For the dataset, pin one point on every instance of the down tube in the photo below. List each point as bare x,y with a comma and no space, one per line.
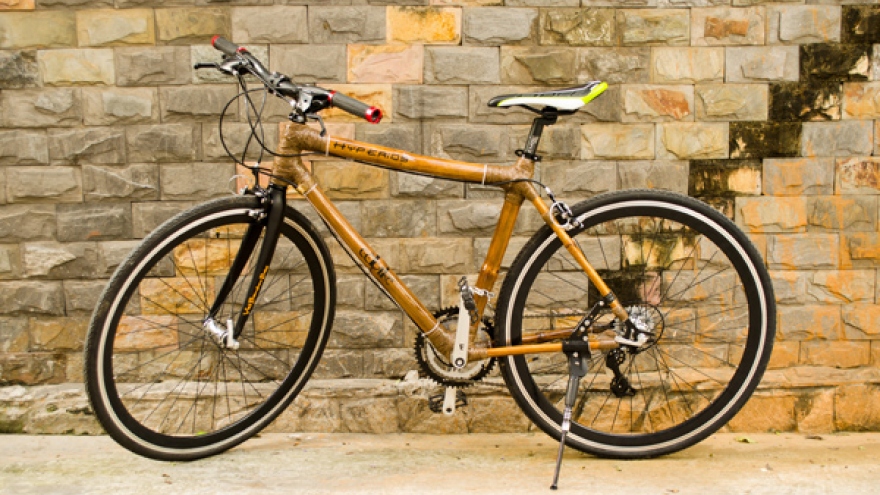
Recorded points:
372,263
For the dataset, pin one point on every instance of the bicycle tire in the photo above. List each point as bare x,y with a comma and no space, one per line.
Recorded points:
674,262
161,384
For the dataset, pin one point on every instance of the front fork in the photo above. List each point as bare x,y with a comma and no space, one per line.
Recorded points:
269,218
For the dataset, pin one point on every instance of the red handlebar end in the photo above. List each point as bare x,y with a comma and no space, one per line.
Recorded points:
373,115
214,40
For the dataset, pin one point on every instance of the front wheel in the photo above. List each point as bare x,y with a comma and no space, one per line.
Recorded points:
164,385
689,276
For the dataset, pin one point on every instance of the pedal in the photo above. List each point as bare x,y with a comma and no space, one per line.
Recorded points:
448,401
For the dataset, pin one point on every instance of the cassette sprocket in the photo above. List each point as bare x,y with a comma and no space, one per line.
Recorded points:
435,366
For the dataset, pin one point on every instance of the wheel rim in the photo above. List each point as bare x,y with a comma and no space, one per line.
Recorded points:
167,380
689,381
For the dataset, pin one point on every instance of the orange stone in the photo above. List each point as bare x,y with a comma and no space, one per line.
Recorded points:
281,329
16,4
179,295
431,25
146,332
721,28
666,102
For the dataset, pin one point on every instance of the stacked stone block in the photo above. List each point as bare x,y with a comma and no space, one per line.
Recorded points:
769,111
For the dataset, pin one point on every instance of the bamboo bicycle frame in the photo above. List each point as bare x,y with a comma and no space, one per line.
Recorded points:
296,138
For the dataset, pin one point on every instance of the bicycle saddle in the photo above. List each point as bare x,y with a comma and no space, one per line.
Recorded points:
562,99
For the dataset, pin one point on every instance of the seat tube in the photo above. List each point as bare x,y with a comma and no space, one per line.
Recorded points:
498,247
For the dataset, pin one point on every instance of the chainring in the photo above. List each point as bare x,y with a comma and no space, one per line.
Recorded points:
435,366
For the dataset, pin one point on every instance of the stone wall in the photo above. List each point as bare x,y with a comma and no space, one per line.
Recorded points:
769,111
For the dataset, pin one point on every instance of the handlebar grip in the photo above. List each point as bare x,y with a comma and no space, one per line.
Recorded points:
224,45
358,109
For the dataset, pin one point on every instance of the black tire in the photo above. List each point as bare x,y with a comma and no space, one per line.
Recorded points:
161,384
679,265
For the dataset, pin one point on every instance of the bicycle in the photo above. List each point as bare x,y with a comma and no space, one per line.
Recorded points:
631,325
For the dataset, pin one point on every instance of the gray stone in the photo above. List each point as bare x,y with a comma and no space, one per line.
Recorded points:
802,24
31,369
462,65
389,363
671,175
581,179
193,181
350,291
138,181
13,335
31,298
798,176
620,3
803,251
614,65
235,136
535,3
844,138
113,106
469,143
56,261
270,25
55,107
467,218
687,65
340,363
154,65
85,222
19,69
523,65
398,219
407,137
762,64
499,26
302,66
44,185
842,213
23,148
27,222
98,145
583,27
405,185
654,27
355,24
9,262
440,255
431,102
729,102
196,103
162,143
81,296
366,330
112,254
147,216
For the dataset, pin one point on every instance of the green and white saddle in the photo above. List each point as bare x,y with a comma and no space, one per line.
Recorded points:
569,99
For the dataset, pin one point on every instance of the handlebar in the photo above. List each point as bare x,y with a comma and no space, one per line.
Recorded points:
281,85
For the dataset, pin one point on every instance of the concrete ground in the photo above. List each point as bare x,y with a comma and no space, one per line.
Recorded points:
478,463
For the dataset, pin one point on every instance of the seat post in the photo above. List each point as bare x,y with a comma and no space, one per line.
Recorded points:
549,115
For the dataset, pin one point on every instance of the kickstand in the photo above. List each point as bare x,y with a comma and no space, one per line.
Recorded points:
577,369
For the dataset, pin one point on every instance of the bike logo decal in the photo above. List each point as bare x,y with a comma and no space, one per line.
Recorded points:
397,157
376,265
251,300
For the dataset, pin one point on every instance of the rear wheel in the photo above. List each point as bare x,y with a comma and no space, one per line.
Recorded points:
689,276
160,382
